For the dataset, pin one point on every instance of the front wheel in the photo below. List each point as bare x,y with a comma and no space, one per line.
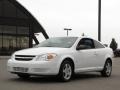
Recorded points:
66,71
106,72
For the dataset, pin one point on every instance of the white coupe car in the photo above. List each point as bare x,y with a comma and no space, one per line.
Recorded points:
62,57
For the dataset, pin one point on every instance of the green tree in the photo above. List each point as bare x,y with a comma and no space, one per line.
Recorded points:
113,44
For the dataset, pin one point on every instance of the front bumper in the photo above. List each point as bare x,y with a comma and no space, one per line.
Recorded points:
34,67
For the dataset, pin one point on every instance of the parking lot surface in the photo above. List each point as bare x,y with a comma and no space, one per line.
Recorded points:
83,81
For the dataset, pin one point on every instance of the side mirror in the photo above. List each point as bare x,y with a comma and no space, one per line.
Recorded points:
81,47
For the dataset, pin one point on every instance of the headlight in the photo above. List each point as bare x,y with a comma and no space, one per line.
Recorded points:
46,57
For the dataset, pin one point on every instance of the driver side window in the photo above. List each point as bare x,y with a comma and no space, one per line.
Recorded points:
88,43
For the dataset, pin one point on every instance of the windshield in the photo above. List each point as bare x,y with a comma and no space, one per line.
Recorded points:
63,42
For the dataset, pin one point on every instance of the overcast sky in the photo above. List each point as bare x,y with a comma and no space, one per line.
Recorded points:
80,15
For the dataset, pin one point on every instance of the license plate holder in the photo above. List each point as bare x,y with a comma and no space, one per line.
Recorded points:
20,69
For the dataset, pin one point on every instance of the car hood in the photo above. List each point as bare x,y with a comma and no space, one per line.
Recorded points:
39,51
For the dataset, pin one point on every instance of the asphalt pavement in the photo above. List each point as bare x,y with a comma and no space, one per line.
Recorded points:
84,81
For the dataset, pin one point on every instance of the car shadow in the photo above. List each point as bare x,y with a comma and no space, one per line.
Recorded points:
53,79
86,76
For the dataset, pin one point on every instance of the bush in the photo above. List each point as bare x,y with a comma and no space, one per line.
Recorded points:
117,53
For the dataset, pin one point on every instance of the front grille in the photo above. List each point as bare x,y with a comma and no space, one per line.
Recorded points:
24,57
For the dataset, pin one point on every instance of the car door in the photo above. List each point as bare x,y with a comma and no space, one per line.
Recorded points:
100,53
86,58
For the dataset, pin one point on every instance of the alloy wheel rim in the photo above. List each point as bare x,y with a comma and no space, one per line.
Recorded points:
108,68
67,71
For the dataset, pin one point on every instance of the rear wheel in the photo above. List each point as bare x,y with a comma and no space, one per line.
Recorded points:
66,71
23,76
106,72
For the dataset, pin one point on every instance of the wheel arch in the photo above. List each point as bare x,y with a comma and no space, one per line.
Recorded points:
70,60
109,59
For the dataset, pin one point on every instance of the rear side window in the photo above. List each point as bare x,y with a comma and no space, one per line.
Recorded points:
87,42
98,45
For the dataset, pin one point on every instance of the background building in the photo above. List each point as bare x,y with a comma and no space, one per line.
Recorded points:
17,27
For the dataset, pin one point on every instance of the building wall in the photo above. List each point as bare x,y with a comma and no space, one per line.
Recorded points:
14,28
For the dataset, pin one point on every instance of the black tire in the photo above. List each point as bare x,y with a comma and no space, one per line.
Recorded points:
23,76
106,72
66,71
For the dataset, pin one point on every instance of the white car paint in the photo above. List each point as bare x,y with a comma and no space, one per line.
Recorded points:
84,60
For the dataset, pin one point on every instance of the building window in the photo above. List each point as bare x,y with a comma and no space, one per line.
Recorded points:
9,9
0,43
22,42
9,29
13,38
23,30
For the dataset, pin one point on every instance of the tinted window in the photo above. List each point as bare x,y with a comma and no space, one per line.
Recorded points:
9,29
87,42
9,9
98,45
0,43
0,8
63,42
